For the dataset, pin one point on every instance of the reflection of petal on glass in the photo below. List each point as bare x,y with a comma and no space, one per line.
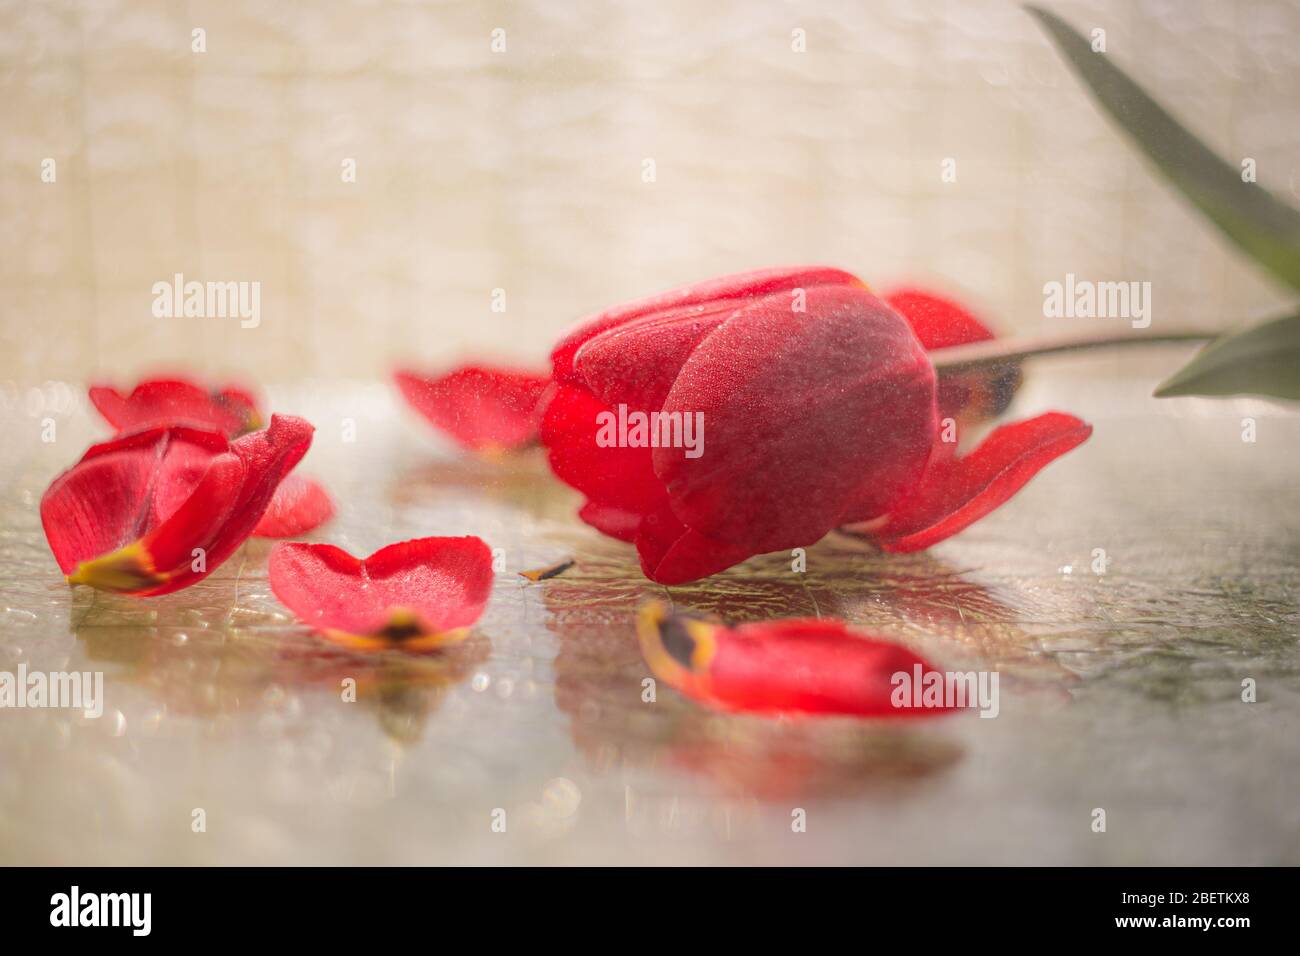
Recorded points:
197,670
402,691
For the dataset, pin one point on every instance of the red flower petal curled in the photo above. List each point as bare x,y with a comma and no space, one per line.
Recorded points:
636,363
483,408
954,493
166,401
154,511
779,667
415,595
299,505
808,418
122,489
197,522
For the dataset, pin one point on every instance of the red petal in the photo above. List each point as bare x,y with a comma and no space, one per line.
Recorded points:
779,667
180,471
936,321
299,505
175,401
267,456
622,478
122,489
741,285
636,363
615,522
482,408
197,522
412,594
241,404
129,516
807,417
957,492
672,553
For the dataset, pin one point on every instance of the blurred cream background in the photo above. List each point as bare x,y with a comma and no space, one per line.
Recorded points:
523,170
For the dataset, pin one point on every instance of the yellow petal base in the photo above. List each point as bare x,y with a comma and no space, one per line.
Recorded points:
126,570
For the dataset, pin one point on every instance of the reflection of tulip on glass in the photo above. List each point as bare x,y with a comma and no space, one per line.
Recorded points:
821,409
401,691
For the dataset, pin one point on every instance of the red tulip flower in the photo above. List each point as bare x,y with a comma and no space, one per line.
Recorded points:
790,666
165,401
414,596
815,407
482,408
154,511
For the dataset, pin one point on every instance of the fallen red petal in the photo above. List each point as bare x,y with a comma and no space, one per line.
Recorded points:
156,510
480,407
957,492
123,488
298,506
780,667
415,595
167,401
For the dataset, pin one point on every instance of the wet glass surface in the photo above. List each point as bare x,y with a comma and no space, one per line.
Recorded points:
1120,690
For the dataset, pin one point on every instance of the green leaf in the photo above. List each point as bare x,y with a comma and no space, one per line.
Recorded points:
1264,360
1264,227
